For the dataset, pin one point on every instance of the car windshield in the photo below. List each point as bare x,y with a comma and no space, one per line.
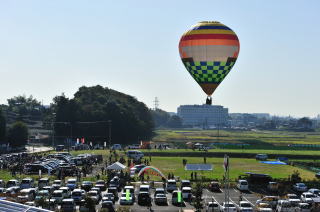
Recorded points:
161,195
92,194
57,195
71,181
301,184
230,205
213,205
25,181
77,193
308,195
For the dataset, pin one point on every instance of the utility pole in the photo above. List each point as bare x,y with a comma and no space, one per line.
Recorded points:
110,122
53,121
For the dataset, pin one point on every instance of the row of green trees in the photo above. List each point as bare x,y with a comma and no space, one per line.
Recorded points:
16,135
97,113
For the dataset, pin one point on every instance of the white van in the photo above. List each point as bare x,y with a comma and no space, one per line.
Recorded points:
284,206
135,154
26,195
243,185
186,193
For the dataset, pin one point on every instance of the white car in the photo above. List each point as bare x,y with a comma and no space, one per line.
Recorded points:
303,207
301,187
284,206
186,193
212,207
293,199
264,207
245,206
307,197
228,207
243,185
315,191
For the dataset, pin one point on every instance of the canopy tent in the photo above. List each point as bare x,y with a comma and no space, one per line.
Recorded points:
116,166
274,162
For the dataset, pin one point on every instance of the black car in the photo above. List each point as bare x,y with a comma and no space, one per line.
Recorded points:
144,198
101,184
108,205
86,185
114,191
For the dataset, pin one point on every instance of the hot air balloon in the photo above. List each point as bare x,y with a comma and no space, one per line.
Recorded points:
208,51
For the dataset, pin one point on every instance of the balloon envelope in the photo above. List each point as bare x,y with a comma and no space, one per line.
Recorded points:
208,51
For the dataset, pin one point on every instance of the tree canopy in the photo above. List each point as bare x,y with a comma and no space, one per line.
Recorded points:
2,126
18,134
94,109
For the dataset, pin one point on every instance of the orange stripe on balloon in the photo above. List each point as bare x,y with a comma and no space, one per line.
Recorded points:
209,42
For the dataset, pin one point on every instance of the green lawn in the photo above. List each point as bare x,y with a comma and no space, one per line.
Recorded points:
237,167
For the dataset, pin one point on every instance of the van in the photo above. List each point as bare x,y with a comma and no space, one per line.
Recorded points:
243,185
26,183
57,195
171,185
135,154
12,183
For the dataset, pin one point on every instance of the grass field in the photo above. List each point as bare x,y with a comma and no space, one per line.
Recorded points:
249,140
238,166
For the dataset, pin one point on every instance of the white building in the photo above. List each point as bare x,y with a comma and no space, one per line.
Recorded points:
203,115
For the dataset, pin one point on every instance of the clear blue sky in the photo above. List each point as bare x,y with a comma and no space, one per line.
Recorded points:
49,47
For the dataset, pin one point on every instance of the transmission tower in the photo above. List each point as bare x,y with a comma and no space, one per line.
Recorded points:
156,103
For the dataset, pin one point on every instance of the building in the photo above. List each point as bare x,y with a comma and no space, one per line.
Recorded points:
205,116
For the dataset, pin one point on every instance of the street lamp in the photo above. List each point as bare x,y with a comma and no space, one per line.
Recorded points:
53,121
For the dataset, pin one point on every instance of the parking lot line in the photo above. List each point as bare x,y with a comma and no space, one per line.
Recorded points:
248,201
235,190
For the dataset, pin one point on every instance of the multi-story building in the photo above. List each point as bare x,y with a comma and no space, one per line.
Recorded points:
203,115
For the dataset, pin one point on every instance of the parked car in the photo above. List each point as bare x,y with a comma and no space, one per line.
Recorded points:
77,195
131,190
309,198
314,191
108,197
273,186
293,199
26,195
185,183
245,206
144,198
186,193
94,196
171,185
114,191
228,207
12,183
263,207
72,183
108,205
66,192
68,205
214,186
261,157
300,187
271,200
144,188
160,199
57,184
303,207
101,184
159,191
12,190
175,199
134,146
42,194
135,154
284,206
212,207
86,185
243,185
43,182
57,195
124,200
116,147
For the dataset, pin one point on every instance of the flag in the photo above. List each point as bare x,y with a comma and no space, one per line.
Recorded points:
179,196
127,194
78,141
82,140
226,163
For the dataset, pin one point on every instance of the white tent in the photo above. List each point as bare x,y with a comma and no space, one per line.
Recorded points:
116,166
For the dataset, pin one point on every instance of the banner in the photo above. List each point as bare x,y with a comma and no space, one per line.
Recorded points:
226,163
